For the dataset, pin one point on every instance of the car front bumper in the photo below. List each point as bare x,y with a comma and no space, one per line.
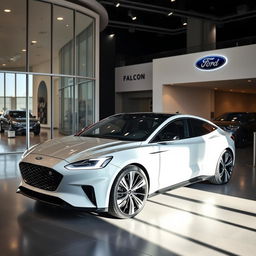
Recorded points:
87,189
22,129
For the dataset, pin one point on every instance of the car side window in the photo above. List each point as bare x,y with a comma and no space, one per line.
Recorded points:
199,127
172,131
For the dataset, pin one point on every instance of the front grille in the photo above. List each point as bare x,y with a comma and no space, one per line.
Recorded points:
40,176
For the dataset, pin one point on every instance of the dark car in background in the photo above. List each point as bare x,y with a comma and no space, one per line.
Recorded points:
16,121
240,124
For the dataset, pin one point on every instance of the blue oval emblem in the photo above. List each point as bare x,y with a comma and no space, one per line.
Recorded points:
212,62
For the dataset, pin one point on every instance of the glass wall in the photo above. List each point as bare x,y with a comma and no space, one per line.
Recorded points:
63,41
47,69
39,37
13,35
85,45
85,100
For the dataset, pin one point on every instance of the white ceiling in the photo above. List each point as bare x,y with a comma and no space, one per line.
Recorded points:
240,85
13,32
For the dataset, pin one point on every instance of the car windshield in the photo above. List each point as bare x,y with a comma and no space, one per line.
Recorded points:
129,127
18,114
233,117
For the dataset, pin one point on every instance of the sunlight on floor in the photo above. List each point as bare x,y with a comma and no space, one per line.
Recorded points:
186,220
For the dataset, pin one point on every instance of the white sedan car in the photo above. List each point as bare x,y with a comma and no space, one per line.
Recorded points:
117,163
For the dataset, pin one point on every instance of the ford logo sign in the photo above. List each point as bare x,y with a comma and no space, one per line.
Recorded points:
212,62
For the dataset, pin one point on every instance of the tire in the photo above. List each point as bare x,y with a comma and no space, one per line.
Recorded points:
224,168
37,131
129,193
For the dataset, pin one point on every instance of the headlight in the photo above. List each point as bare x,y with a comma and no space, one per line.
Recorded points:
16,123
90,164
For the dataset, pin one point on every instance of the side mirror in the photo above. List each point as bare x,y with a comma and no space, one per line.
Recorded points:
176,138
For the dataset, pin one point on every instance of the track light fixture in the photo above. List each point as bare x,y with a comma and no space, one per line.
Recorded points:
130,14
184,22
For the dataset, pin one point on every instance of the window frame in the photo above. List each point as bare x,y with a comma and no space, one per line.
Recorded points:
186,131
191,130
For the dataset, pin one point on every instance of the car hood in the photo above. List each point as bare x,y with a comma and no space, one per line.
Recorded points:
71,148
226,123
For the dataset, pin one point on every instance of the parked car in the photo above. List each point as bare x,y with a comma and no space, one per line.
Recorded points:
240,124
16,120
117,163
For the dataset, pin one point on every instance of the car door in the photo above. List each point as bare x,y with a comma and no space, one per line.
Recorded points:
203,143
174,154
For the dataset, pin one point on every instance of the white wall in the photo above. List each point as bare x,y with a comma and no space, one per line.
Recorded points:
181,69
133,78
188,100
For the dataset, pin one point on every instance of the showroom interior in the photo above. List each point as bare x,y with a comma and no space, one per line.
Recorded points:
66,64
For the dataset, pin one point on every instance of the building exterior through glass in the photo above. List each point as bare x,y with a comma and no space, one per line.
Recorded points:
48,65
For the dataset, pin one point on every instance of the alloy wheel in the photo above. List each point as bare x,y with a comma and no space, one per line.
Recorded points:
131,193
225,167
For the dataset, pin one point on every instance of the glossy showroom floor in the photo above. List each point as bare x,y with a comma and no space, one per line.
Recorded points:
201,219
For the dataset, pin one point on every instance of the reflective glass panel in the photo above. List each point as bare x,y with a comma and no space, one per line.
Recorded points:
13,35
13,120
85,90
2,99
10,91
39,37
62,40
67,113
85,43
40,121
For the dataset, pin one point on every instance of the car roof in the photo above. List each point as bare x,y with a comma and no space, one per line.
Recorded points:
149,114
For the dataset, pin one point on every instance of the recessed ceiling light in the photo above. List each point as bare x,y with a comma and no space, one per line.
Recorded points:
66,25
173,1
60,18
111,35
170,13
185,24
3,64
134,18
34,42
7,10
117,4
23,50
